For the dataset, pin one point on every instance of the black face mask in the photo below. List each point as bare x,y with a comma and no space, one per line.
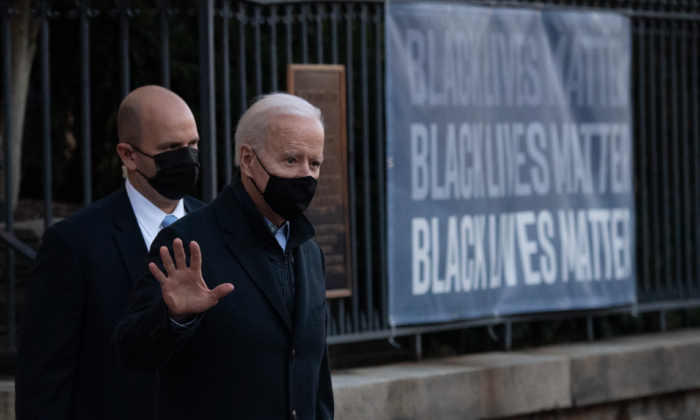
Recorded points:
176,172
287,197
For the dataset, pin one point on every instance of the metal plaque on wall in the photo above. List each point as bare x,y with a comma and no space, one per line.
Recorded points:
324,87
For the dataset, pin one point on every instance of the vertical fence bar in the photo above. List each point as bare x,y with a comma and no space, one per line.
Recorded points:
272,21
320,13
654,170
662,321
164,15
124,46
666,190
675,158
328,316
304,20
379,152
349,17
341,316
696,143
646,276
257,21
685,156
335,16
419,347
508,336
9,216
241,16
46,113
226,88
288,21
84,16
367,201
207,99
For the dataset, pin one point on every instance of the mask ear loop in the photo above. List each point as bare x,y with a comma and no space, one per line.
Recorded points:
134,147
137,169
264,169
261,164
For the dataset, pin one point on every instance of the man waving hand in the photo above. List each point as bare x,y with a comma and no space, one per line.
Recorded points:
259,351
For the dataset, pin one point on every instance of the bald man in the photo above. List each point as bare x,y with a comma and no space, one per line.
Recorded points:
87,265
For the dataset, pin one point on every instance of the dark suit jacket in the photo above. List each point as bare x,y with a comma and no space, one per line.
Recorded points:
78,291
244,358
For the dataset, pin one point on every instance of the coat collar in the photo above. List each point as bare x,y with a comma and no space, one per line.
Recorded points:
237,215
191,204
234,195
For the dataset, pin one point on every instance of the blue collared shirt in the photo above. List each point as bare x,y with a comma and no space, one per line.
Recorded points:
281,233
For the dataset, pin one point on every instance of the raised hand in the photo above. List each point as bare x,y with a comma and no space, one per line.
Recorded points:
184,290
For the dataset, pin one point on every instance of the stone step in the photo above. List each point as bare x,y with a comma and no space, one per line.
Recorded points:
499,385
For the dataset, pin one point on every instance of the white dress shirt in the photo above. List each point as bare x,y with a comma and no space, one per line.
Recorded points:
148,215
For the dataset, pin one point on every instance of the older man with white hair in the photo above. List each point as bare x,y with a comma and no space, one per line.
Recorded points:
258,352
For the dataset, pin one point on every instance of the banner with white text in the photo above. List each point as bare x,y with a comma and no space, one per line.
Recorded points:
509,161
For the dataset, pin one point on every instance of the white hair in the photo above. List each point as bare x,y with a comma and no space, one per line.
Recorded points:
254,124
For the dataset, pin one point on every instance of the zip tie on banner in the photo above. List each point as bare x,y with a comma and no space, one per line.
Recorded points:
635,309
392,324
489,328
492,333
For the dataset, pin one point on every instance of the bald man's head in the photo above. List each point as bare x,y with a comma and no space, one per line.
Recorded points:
148,108
152,120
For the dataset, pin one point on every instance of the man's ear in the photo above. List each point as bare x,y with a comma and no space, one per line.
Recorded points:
246,160
126,153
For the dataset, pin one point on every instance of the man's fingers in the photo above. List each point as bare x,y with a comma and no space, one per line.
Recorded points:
196,256
157,273
221,291
180,258
167,261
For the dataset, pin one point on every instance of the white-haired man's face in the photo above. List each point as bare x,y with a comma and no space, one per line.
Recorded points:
293,149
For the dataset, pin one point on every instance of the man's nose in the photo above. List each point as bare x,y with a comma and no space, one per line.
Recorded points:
304,170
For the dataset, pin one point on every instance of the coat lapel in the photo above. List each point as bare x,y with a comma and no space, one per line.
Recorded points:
237,215
260,271
128,236
244,245
301,306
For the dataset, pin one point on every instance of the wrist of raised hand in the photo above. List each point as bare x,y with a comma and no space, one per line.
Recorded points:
183,318
184,325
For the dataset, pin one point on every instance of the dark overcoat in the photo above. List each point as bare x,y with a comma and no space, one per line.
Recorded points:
77,293
246,357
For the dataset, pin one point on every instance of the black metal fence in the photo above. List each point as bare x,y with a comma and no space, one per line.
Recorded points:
242,50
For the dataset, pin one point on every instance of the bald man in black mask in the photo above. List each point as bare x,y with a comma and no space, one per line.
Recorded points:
87,265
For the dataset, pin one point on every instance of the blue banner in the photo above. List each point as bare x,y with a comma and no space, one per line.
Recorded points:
509,161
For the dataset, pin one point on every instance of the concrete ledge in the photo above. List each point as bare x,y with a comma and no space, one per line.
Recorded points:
632,367
676,406
496,385
517,383
469,387
406,391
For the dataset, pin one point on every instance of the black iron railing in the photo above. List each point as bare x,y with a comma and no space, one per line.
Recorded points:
243,49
